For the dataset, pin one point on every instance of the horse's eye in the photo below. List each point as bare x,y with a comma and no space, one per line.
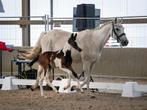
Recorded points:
117,29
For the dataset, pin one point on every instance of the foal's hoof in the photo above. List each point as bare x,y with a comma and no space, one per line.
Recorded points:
73,88
45,97
77,89
57,92
65,88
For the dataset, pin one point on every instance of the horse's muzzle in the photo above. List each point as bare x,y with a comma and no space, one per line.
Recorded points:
79,49
124,43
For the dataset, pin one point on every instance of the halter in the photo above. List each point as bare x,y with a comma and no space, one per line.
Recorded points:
117,36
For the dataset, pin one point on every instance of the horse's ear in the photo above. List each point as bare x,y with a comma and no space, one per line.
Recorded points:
115,21
75,36
72,35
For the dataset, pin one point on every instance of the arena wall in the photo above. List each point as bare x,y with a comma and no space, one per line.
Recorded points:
114,61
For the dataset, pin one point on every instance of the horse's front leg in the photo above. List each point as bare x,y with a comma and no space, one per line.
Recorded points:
39,72
88,68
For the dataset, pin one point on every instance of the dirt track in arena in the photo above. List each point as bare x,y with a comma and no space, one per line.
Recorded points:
28,100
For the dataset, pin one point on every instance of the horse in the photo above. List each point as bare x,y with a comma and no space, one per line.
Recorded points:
91,41
61,59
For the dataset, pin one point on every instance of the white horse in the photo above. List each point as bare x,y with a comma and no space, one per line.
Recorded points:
90,41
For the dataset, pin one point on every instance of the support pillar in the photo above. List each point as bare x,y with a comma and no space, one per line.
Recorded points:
25,28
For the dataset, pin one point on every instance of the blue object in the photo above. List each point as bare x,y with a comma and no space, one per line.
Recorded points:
1,7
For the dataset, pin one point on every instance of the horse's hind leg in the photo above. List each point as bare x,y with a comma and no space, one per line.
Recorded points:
75,76
79,85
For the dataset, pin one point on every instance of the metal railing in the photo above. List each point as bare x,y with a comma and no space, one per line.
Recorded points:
66,20
48,22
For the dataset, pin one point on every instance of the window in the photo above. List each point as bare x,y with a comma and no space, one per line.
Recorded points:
11,34
38,8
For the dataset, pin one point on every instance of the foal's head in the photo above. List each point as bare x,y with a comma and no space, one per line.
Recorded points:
73,43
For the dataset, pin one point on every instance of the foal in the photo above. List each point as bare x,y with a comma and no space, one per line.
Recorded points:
59,59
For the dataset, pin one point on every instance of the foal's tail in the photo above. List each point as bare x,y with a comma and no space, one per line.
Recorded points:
35,51
33,61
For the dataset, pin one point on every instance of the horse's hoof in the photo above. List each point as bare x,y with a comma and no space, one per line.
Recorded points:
42,95
92,97
76,88
64,88
82,91
32,89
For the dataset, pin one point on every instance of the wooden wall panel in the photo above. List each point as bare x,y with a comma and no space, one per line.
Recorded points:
114,61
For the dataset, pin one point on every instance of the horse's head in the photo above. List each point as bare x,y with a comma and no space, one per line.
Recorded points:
118,33
73,43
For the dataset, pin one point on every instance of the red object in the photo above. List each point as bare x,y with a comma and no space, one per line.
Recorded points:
4,48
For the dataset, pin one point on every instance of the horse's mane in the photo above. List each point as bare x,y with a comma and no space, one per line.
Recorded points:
98,28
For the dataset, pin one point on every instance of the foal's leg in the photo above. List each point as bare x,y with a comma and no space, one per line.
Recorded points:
69,72
49,83
39,72
41,83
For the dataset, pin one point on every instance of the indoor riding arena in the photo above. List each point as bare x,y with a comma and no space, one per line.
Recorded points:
73,55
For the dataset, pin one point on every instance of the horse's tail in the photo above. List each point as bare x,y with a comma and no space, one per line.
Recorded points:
32,54
36,50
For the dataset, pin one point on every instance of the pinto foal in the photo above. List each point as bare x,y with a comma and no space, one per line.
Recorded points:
58,59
